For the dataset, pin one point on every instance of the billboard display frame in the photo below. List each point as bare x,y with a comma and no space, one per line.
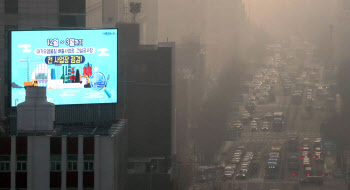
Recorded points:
10,63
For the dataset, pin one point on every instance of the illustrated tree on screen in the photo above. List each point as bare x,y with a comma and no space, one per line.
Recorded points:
134,8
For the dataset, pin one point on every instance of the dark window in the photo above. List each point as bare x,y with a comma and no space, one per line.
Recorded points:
88,180
21,145
72,179
69,6
5,180
72,145
72,21
21,179
5,146
89,145
55,179
55,145
11,6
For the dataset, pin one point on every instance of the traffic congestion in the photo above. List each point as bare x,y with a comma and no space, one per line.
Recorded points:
274,141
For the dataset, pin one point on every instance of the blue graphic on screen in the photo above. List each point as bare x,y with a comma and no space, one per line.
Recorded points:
75,66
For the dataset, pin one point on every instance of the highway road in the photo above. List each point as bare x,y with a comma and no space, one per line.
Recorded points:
299,123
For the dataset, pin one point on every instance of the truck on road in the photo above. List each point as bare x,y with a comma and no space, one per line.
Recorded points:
278,122
273,163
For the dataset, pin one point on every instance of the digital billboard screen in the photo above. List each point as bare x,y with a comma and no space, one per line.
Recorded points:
75,66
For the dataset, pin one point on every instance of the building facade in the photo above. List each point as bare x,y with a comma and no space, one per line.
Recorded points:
145,84
73,157
40,155
114,11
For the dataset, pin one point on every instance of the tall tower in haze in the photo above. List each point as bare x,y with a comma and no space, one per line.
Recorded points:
148,19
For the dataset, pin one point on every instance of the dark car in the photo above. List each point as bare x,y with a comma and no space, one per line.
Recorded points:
250,107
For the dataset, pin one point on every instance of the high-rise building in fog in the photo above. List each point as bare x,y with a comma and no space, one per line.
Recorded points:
148,19
181,18
145,85
115,11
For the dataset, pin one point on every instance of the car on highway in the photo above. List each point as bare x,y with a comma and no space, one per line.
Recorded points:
305,148
305,154
228,172
241,149
265,126
317,143
253,127
256,119
245,117
237,154
293,162
273,159
236,160
239,126
293,143
246,160
274,155
252,98
306,162
250,106
245,165
250,154
267,88
298,91
254,122
308,171
319,156
265,94
318,150
297,98
306,142
309,98
242,174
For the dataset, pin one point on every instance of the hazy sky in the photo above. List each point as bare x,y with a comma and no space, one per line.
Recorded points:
299,17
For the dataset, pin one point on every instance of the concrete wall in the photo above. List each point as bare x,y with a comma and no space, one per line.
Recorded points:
31,14
38,163
148,18
104,163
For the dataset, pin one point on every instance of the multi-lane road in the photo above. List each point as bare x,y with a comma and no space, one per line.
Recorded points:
298,123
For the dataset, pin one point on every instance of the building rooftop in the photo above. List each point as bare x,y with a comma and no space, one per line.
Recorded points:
92,129
102,129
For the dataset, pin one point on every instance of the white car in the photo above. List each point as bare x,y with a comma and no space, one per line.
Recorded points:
250,154
228,172
265,127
